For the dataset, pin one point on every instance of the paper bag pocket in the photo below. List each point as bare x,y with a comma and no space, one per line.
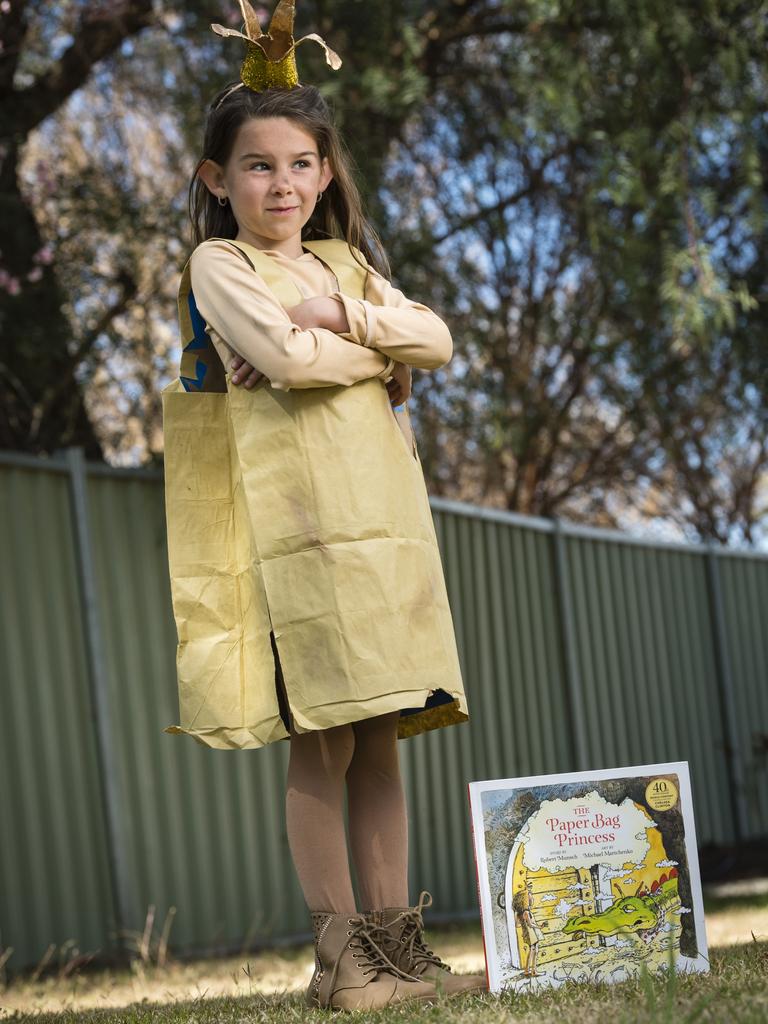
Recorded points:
224,664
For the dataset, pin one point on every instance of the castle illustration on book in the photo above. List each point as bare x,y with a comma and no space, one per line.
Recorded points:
588,876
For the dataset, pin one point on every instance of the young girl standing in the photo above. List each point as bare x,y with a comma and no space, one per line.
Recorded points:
307,585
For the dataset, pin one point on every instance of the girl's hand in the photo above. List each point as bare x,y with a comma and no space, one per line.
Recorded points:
244,373
399,386
320,311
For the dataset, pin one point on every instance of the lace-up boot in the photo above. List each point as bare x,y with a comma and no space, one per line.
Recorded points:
352,972
404,944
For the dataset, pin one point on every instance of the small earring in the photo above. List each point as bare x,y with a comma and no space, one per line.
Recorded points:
319,197
222,200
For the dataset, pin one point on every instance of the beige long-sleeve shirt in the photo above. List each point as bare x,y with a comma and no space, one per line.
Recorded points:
244,316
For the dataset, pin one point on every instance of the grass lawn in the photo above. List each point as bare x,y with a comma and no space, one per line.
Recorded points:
268,986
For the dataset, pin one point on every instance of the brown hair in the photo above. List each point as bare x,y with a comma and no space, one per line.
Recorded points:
339,213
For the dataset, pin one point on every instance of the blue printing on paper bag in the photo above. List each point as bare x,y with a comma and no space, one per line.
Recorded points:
200,340
195,383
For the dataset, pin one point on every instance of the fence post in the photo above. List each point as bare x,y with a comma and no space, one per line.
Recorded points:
568,639
98,688
724,679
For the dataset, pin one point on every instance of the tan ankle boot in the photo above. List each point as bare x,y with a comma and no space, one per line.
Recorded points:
404,944
352,972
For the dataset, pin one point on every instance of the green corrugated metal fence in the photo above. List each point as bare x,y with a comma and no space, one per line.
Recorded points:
580,649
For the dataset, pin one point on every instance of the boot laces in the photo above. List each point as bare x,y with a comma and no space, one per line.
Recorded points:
372,957
418,953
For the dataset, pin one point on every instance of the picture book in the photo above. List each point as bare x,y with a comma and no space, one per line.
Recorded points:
587,876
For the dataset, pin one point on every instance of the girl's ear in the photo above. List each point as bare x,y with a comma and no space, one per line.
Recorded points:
326,174
212,175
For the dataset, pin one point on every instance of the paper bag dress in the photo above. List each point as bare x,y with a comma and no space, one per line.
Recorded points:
301,514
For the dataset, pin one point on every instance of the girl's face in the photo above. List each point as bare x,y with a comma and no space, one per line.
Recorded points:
271,180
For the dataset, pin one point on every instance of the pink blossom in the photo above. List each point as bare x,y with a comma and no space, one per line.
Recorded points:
44,255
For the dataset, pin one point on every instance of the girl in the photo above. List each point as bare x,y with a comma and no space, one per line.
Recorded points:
343,571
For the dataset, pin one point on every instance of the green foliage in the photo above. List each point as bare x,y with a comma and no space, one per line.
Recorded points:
701,305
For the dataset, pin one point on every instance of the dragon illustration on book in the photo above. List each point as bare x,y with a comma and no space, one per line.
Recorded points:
643,914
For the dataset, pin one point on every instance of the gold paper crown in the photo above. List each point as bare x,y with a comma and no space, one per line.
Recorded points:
270,61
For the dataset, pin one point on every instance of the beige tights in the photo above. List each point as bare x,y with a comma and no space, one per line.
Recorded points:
364,756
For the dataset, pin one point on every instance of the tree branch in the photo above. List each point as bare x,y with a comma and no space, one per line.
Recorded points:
128,292
101,32
14,28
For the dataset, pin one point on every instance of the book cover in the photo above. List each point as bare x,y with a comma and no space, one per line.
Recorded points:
586,876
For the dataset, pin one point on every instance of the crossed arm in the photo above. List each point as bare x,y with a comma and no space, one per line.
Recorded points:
320,342
329,313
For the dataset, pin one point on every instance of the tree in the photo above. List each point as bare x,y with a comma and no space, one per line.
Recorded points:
43,406
577,187
594,241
